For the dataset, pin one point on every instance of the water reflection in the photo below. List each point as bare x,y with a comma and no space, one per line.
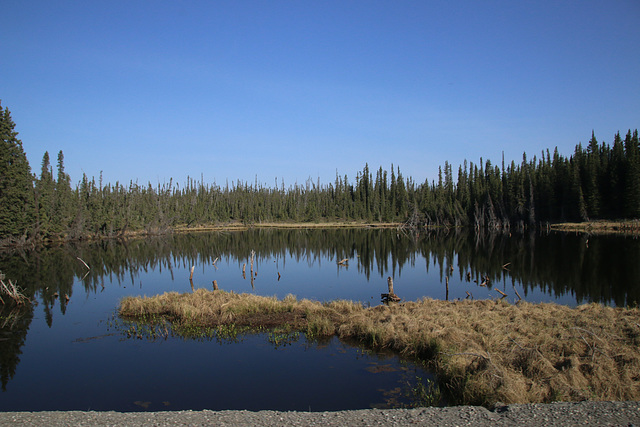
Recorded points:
601,269
91,278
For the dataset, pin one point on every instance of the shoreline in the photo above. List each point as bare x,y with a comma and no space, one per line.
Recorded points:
631,227
599,227
553,414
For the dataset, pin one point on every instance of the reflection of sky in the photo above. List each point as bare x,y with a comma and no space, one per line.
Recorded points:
315,277
81,363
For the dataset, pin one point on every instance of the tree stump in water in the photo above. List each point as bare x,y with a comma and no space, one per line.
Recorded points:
391,296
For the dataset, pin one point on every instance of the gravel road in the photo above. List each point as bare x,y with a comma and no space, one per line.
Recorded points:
556,414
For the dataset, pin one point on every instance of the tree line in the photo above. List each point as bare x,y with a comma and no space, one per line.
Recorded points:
599,181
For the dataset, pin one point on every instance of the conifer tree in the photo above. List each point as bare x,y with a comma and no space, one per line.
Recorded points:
44,195
632,190
16,182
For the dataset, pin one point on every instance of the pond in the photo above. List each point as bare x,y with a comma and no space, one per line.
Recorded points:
74,355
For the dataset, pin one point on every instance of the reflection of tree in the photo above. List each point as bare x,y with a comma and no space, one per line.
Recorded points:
601,269
604,269
593,269
14,323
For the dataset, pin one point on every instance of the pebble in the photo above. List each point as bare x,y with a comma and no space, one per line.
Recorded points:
555,414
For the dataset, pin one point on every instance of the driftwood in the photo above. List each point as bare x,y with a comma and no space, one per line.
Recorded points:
517,294
12,291
344,262
215,285
191,275
391,296
86,265
500,292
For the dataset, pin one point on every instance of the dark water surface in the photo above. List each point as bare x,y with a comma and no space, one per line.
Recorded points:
59,355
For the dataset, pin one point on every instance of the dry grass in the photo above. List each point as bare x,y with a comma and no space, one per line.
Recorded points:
214,308
11,292
631,226
238,226
483,351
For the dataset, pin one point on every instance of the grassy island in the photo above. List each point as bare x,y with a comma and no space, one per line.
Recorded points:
482,351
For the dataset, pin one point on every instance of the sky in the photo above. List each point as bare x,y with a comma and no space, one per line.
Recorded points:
286,91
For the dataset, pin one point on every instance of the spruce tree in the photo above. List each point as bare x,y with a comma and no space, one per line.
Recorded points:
16,182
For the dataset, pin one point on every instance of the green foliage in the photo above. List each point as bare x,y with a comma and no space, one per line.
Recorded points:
425,393
16,186
597,182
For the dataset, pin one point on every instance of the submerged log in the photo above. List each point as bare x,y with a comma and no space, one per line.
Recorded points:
343,262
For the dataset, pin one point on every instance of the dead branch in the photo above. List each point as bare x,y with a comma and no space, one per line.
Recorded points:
12,291
85,264
500,292
517,294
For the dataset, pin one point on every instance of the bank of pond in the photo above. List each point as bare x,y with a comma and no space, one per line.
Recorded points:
298,323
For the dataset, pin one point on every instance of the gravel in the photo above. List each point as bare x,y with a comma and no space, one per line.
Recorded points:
555,414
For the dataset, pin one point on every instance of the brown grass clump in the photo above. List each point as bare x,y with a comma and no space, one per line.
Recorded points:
206,308
483,351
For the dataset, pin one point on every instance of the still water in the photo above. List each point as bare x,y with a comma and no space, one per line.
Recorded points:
72,355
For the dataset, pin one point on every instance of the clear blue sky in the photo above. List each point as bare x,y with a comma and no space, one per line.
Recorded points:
152,90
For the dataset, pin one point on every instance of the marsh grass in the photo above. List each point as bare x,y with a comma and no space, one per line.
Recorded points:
482,351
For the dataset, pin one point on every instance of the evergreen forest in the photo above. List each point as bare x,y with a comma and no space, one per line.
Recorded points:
599,181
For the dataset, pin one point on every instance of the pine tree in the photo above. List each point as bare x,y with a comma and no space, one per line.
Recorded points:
63,199
632,190
16,182
44,197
